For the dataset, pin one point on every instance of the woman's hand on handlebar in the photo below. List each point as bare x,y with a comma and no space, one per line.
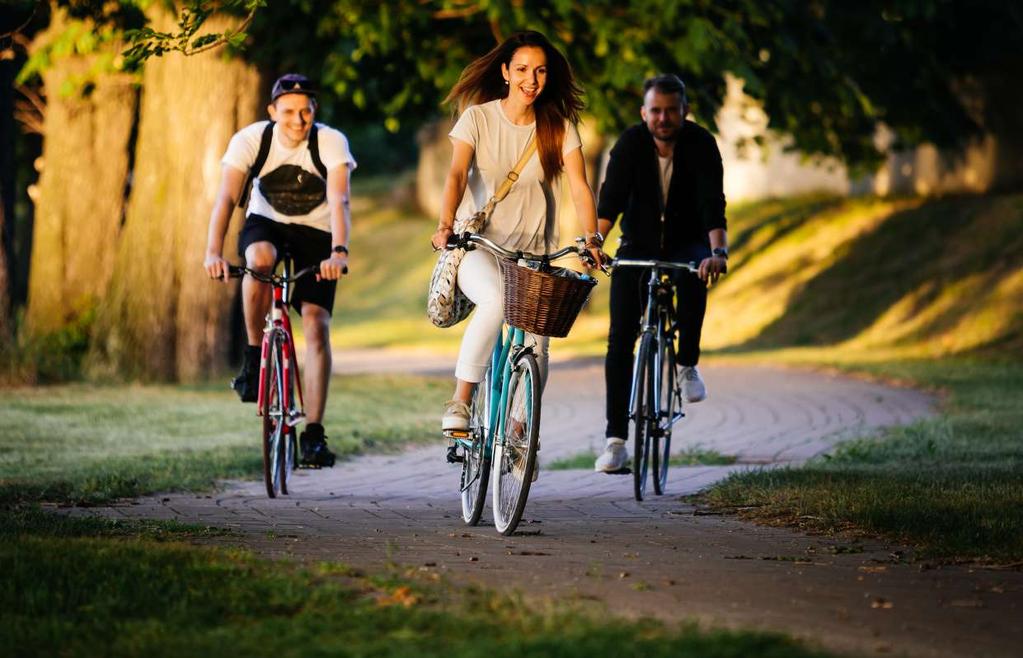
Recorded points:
597,257
440,237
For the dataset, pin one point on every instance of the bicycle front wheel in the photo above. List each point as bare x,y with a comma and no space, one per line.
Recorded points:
515,451
642,383
667,399
274,426
476,460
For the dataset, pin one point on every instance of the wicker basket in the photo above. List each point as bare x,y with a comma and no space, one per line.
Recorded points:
543,303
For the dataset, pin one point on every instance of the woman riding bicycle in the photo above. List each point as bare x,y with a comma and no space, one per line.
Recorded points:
521,90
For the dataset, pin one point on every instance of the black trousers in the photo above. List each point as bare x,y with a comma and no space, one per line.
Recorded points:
628,303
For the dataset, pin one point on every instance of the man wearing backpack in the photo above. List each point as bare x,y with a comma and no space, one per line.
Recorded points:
299,172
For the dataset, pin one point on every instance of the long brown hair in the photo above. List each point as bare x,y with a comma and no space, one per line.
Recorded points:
482,82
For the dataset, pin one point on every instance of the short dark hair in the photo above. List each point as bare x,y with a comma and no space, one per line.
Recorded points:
666,83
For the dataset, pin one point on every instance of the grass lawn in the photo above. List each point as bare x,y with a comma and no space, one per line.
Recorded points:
94,587
81,443
952,485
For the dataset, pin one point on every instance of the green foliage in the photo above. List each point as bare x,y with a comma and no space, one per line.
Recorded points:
826,72
55,356
191,16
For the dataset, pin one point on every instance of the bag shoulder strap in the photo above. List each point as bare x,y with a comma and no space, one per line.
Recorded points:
264,152
510,179
314,150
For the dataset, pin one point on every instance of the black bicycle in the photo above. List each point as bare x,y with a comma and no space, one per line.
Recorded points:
655,403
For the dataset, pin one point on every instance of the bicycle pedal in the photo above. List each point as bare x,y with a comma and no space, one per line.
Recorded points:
453,457
456,434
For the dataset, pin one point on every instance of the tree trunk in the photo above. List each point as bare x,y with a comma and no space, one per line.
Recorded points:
163,318
6,197
82,187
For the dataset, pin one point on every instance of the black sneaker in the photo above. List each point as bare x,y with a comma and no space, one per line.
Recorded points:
246,384
315,453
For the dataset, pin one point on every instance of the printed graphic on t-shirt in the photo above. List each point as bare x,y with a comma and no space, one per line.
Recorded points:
292,190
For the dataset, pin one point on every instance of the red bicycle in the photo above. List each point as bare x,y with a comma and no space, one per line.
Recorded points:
279,380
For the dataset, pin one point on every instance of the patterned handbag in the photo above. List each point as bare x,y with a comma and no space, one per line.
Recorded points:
446,304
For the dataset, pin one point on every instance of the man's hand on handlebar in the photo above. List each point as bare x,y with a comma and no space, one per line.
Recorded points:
216,266
712,268
332,268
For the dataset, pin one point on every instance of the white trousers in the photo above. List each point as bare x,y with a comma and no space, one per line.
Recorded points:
479,277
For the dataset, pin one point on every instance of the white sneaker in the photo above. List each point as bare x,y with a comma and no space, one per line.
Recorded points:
693,388
615,457
456,416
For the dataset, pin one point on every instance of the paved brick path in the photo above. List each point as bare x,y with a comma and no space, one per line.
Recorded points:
586,539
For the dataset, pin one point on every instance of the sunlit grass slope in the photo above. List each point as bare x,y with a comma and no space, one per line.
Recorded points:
875,278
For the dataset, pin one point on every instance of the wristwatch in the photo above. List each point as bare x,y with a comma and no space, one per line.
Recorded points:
719,252
340,249
597,238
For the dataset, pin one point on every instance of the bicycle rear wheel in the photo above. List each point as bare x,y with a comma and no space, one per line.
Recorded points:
515,451
668,396
274,425
643,388
476,460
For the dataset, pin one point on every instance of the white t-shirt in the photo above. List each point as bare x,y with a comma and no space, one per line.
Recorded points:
518,220
244,147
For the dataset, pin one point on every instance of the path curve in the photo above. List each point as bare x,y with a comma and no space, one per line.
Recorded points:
585,538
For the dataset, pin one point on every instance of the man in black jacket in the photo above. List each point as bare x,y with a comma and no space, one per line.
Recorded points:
664,178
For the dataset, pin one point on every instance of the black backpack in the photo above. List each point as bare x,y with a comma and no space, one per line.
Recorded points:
264,152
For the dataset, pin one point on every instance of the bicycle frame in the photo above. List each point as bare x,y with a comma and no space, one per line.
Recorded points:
278,317
660,293
509,345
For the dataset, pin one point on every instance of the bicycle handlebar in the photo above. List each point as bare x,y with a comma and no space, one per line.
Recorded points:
660,264
238,271
468,240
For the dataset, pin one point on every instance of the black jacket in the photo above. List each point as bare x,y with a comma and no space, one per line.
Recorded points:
696,200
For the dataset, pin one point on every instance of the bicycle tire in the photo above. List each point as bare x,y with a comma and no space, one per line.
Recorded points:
289,447
661,454
273,421
514,458
642,384
476,465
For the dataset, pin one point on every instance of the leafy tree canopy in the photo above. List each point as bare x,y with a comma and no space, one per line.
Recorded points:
826,71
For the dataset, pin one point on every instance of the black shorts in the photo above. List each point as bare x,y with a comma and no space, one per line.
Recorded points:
307,246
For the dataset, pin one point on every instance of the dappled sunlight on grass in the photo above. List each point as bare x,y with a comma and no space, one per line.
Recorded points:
878,278
763,282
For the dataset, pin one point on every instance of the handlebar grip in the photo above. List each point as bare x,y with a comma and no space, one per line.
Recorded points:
456,241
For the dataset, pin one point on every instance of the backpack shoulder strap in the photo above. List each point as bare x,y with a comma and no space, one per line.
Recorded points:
264,152
314,151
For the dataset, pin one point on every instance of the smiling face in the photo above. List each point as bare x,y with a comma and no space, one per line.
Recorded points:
294,113
663,114
526,74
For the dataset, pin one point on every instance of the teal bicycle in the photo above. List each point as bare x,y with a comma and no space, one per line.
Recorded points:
504,421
